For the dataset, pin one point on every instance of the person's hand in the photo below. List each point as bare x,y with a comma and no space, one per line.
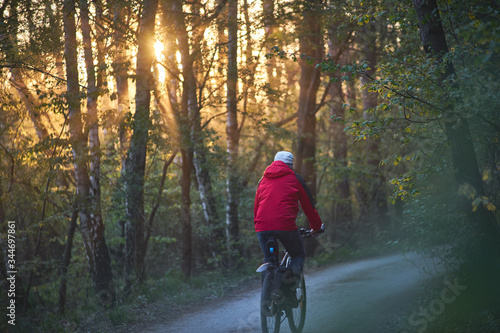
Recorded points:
314,233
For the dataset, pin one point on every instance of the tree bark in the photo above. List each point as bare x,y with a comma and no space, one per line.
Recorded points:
135,163
67,258
374,202
341,208
181,116
120,67
91,223
270,27
311,50
456,127
92,96
232,132
186,228
199,148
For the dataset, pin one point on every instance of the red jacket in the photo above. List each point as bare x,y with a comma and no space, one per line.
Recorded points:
277,200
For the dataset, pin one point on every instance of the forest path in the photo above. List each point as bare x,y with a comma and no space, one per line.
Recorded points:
363,296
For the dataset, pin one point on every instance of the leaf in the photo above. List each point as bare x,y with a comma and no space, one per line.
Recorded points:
486,175
476,203
491,207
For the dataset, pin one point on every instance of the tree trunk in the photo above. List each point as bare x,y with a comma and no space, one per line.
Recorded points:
311,42
341,209
91,223
269,23
67,258
135,163
187,241
183,140
233,182
200,162
374,203
120,67
92,96
456,127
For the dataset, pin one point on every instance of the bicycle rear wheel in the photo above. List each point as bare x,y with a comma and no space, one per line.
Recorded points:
297,315
270,314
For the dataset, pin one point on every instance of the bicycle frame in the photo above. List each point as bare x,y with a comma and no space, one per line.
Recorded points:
274,303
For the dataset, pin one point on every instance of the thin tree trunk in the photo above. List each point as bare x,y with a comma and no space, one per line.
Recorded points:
91,223
457,128
135,163
249,84
157,200
200,161
181,116
269,22
374,198
341,208
92,96
311,42
120,67
187,242
67,258
233,186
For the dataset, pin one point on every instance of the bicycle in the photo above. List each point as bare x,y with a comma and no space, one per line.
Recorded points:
281,291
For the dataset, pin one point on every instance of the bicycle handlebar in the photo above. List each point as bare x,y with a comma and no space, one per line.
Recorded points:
306,233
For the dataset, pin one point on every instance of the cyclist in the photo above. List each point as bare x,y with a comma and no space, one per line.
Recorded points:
276,206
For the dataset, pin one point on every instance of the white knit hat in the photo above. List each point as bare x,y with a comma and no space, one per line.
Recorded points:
284,156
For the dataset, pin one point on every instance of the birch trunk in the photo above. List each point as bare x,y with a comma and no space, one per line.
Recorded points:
92,96
199,148
91,223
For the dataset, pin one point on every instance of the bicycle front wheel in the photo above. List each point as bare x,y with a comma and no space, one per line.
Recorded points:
297,314
270,314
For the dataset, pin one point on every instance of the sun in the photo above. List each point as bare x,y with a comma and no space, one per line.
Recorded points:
159,55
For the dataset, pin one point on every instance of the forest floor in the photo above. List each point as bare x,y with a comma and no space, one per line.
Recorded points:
369,295
397,292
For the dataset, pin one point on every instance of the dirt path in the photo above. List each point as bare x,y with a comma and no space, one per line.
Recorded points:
363,296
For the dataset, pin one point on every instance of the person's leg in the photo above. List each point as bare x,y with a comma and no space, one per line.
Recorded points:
263,236
292,241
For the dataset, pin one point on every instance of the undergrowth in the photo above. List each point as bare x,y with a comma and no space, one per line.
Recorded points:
466,300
